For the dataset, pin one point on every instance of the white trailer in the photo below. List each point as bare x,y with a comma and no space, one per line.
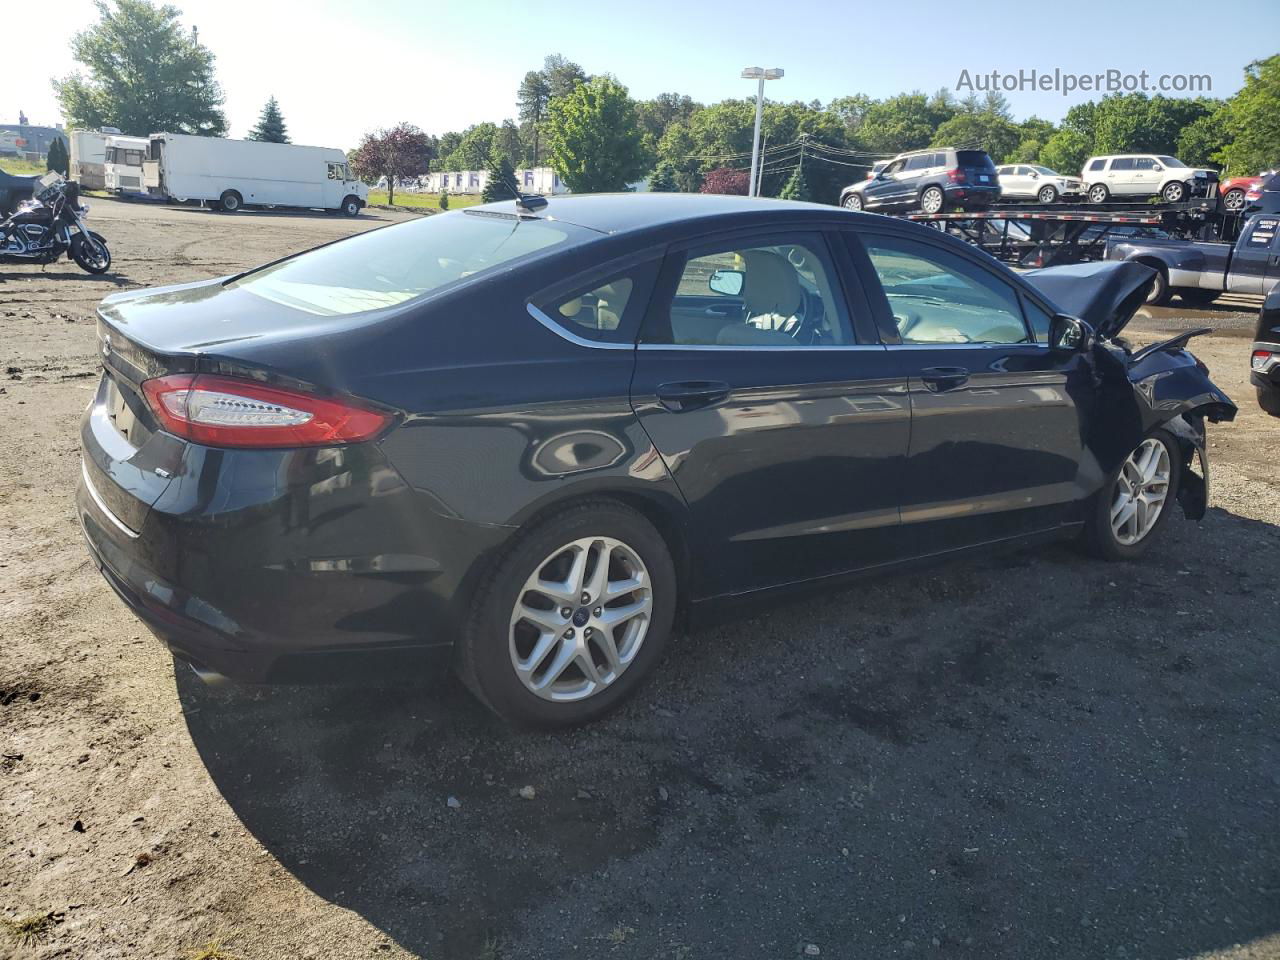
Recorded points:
88,154
122,164
236,173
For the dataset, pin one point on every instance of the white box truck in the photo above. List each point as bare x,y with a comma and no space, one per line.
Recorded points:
237,173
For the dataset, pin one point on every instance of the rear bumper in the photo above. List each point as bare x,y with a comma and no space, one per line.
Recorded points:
266,565
971,195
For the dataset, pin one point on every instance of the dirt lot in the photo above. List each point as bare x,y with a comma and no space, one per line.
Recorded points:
1033,756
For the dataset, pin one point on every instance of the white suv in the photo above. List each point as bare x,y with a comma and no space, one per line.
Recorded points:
1144,175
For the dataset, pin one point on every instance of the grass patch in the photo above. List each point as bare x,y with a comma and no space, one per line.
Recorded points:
424,201
212,951
23,168
31,929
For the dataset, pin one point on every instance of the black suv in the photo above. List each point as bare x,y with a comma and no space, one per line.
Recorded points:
931,181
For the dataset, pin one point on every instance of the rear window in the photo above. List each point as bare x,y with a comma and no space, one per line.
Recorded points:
383,268
973,158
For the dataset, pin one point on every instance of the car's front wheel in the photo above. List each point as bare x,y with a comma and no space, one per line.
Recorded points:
1137,499
853,202
1233,200
573,617
932,199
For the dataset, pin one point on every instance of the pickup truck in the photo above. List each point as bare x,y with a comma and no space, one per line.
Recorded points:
1199,271
1264,365
13,190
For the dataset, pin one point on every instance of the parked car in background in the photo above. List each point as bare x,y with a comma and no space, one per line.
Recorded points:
1234,189
1200,271
13,190
234,174
1025,181
525,437
1264,365
1145,175
1264,197
931,181
861,185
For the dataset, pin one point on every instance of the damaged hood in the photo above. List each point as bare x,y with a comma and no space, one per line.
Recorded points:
1104,295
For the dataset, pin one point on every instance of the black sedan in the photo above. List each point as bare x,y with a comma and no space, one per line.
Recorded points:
534,438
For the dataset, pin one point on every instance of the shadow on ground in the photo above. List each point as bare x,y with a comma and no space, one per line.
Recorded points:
1033,756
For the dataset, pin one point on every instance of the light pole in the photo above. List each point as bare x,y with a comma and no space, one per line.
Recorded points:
761,74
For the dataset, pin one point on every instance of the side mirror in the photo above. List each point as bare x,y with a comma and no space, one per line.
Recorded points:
882,175
1070,333
727,282
1034,175
1158,169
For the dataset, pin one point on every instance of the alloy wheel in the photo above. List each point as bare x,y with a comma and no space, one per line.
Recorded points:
931,201
1234,200
1140,492
580,619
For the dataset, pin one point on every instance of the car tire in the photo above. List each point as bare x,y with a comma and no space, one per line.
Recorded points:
1175,191
1269,400
1048,194
932,200
350,206
230,202
1159,293
498,639
1197,297
1233,200
852,202
1111,531
1099,193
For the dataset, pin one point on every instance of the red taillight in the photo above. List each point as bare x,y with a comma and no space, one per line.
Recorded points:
1260,359
228,412
957,176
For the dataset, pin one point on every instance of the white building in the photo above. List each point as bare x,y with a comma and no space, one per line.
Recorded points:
540,180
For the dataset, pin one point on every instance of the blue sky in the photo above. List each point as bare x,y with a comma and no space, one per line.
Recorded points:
341,67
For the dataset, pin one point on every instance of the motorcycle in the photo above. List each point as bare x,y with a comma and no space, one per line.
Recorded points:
50,224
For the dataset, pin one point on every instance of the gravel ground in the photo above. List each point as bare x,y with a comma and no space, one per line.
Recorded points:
1029,756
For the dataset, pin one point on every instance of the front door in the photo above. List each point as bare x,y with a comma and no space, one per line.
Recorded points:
1255,263
786,435
884,187
996,438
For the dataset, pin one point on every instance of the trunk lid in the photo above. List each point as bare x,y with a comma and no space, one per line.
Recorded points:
1104,294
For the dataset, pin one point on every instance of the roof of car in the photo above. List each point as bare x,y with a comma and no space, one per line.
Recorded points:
614,213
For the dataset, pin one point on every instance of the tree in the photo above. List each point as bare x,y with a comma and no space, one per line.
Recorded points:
57,160
1253,120
851,111
726,180
1202,142
1066,151
979,131
501,182
663,179
797,187
474,148
562,75
270,128
905,122
593,136
401,151
531,102
144,74
444,200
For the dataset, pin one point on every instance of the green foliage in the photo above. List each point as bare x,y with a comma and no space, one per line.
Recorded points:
593,136
979,131
663,179
145,74
1201,142
905,122
796,187
474,148
1252,126
562,74
501,182
1136,123
58,159
1066,151
271,127
444,200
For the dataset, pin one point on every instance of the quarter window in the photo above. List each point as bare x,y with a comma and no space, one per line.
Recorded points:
775,293
1097,164
937,297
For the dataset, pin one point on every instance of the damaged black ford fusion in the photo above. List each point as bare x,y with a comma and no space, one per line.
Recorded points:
530,435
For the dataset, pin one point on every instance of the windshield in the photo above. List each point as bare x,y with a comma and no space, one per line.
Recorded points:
1171,161
383,268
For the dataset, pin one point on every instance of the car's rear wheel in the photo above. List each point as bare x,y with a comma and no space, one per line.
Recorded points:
230,202
1174,192
1233,200
932,199
1099,193
1159,293
1269,400
1047,194
1126,514
573,617
853,202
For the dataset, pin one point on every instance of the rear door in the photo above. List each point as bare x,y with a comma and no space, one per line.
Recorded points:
784,428
1121,176
996,435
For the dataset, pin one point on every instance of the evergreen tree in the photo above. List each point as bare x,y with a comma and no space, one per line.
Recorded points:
58,159
501,182
663,179
444,200
797,187
270,128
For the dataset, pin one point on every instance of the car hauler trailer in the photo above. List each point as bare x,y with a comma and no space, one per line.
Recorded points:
233,174
1055,234
122,167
